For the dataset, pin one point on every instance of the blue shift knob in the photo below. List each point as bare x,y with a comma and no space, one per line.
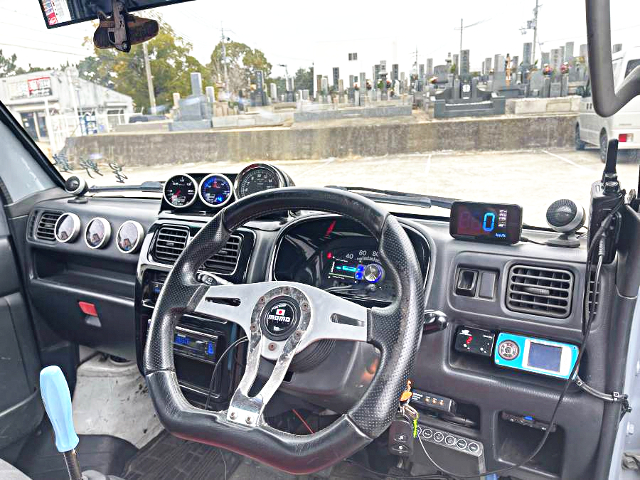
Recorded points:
57,402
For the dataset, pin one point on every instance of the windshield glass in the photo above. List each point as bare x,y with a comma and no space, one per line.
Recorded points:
395,97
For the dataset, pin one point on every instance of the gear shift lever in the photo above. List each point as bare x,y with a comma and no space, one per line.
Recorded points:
57,403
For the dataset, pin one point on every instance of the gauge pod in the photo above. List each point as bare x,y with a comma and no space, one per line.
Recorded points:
67,227
129,236
215,190
259,177
75,185
97,233
180,191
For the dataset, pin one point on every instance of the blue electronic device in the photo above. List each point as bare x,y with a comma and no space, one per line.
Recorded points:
535,355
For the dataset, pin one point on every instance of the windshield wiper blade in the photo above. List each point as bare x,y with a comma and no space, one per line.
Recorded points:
398,198
143,187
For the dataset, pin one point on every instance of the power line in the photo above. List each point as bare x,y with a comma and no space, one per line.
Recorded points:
46,43
42,49
39,30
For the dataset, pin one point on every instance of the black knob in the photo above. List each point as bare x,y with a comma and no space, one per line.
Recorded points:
434,321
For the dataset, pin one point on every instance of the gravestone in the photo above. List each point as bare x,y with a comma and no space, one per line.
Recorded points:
526,53
421,71
544,59
260,96
305,94
546,89
474,87
395,72
584,51
568,51
336,76
273,92
564,85
430,67
456,62
556,89
176,100
442,73
340,86
456,88
196,83
210,93
556,59
464,63
499,63
324,86
465,89
487,65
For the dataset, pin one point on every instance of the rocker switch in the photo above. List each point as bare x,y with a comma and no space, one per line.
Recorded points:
467,282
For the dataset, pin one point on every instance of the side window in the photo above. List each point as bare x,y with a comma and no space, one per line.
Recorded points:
19,172
630,66
616,73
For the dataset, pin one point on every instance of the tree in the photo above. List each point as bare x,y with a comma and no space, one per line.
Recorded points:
242,64
171,66
8,65
304,79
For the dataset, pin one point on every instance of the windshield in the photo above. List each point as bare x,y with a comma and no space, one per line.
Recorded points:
379,95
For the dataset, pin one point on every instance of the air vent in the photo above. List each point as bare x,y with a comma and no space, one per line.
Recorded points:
540,291
172,240
226,260
31,227
170,243
47,226
593,303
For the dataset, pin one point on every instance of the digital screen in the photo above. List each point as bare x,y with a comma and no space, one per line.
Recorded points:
543,356
486,222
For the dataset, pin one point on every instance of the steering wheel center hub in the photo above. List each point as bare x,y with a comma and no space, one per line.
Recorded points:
280,318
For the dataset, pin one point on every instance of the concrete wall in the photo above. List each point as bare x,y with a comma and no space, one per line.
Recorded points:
538,106
497,133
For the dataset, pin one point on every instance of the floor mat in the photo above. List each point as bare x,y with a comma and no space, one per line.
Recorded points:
170,458
40,460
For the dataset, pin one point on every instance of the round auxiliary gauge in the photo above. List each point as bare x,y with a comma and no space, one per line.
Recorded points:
129,236
215,190
97,233
258,178
67,227
180,191
373,273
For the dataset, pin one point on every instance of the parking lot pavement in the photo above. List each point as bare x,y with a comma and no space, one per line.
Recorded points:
532,179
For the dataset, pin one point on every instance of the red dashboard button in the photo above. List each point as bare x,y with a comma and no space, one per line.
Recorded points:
88,308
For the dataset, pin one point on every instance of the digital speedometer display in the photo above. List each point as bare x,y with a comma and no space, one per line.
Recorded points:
355,265
215,190
256,179
180,191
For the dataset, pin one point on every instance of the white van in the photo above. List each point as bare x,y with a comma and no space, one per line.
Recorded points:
592,129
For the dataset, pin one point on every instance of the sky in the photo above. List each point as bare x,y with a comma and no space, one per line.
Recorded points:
289,31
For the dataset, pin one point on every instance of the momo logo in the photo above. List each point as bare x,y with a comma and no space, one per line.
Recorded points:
280,318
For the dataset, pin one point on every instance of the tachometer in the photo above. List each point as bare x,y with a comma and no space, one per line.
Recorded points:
215,190
180,191
257,178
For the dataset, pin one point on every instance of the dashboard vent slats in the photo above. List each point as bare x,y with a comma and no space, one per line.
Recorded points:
540,291
170,243
226,260
172,240
45,230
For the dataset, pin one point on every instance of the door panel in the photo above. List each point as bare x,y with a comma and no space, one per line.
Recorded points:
20,406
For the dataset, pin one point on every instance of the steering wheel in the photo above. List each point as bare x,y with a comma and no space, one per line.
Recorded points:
281,319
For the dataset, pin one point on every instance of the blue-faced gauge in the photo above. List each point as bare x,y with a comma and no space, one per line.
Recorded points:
215,190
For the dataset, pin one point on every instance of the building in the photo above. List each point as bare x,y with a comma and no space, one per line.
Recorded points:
52,105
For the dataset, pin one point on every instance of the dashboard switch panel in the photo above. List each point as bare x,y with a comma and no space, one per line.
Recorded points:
467,282
430,401
475,341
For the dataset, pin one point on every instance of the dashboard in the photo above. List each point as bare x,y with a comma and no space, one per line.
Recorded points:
95,267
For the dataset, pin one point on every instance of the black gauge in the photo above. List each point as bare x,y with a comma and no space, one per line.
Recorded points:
67,227
215,190
258,178
97,233
180,191
129,236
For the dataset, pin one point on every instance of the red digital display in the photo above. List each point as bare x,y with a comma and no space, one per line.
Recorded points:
499,223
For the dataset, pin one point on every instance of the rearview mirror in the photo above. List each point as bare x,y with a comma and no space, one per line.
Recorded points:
606,101
58,13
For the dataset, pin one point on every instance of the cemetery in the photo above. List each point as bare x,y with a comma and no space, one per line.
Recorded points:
504,85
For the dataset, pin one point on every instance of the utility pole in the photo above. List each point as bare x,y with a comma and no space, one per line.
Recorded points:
224,60
535,34
147,68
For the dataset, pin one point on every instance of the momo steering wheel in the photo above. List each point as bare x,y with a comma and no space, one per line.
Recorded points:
281,319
